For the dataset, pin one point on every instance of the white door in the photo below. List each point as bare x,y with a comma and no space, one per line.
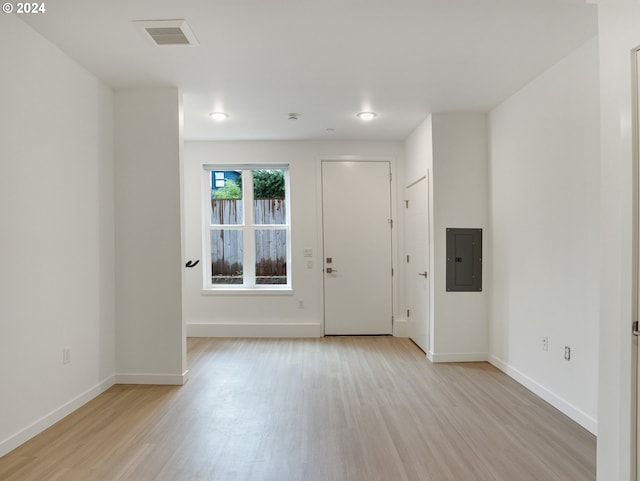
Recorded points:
356,218
417,275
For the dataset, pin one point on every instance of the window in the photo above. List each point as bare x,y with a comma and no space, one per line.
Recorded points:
247,228
218,179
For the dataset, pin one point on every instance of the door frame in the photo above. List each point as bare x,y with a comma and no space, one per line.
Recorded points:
394,231
635,358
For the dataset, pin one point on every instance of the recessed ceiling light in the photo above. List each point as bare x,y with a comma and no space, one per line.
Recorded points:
366,115
219,116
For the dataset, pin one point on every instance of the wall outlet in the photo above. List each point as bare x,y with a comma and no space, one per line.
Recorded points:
66,355
300,303
545,343
567,353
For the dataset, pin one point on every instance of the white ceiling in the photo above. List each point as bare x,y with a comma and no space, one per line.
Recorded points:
259,60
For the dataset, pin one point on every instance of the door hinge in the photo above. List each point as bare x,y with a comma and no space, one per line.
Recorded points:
635,329
392,272
407,313
406,204
391,223
390,176
407,258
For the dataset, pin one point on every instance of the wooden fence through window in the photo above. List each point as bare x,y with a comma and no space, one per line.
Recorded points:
226,244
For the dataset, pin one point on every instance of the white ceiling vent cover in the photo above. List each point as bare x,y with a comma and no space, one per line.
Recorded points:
169,33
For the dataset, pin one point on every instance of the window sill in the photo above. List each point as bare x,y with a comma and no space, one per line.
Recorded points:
248,291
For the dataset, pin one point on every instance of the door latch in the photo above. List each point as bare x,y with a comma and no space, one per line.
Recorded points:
635,329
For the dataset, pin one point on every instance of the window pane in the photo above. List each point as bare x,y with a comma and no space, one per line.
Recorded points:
271,256
226,256
269,197
226,197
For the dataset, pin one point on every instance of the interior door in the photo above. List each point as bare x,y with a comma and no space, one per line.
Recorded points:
356,218
417,276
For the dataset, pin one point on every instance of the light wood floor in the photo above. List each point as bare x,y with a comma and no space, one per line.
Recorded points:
336,408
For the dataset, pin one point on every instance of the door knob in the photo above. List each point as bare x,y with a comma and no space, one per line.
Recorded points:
331,270
423,274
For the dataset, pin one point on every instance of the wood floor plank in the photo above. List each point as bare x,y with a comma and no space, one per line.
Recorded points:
335,408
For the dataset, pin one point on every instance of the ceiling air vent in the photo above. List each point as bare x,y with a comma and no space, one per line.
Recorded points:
169,33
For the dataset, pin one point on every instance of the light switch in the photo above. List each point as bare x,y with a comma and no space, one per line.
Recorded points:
308,252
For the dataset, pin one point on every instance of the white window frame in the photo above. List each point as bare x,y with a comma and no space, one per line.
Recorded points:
248,229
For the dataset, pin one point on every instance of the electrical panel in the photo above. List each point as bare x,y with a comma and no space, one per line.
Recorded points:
464,260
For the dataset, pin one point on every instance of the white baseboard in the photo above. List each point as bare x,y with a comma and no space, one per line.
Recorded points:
250,329
54,416
162,379
458,356
583,419
400,328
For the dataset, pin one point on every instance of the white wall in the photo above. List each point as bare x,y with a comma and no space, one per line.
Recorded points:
419,152
460,199
150,335
418,163
56,234
273,315
618,35
545,232
452,147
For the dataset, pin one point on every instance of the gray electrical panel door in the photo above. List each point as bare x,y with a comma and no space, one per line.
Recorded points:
464,259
